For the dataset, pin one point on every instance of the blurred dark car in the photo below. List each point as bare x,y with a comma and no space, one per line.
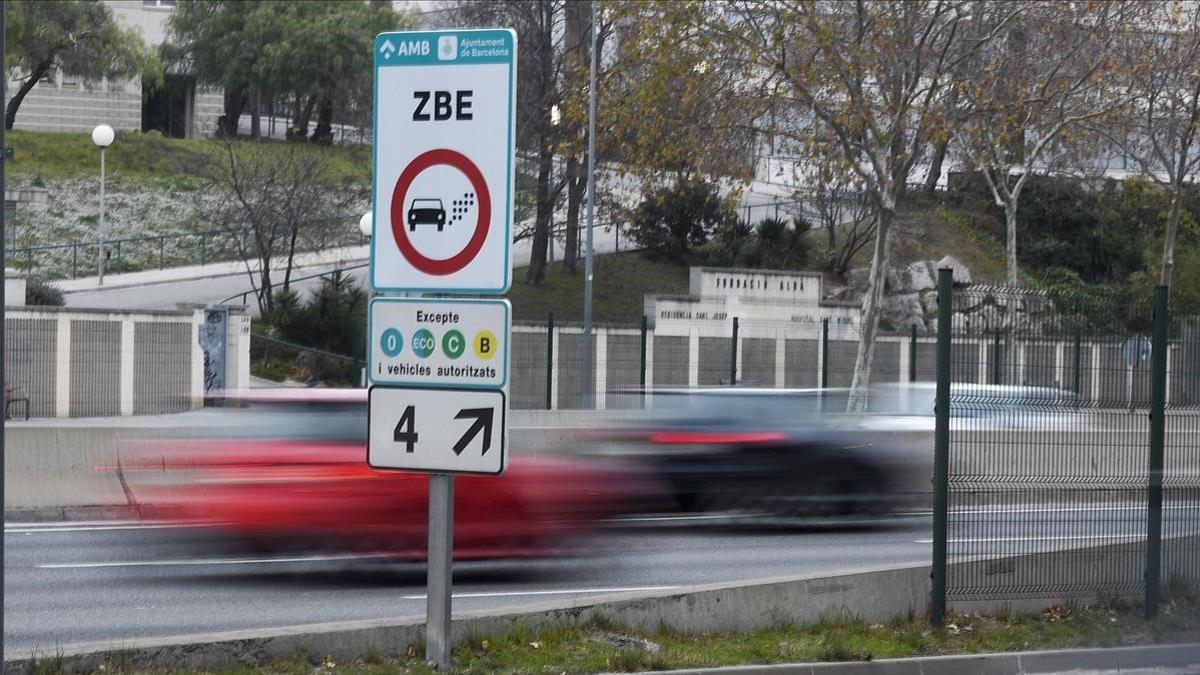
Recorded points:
290,472
762,451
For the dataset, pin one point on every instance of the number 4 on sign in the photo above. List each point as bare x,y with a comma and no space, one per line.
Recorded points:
405,431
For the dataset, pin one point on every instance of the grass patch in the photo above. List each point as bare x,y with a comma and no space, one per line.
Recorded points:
164,163
604,646
619,284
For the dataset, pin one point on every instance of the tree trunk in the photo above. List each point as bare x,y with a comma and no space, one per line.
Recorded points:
935,165
299,129
256,116
10,113
266,298
1010,229
235,102
1168,261
869,325
576,187
287,272
536,272
323,134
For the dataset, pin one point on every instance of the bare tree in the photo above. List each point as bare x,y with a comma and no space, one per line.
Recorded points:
1033,91
1159,130
274,199
540,34
870,76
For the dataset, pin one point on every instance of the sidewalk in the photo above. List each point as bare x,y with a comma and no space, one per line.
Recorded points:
334,256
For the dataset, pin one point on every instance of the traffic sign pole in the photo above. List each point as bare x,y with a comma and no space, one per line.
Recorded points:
442,209
438,578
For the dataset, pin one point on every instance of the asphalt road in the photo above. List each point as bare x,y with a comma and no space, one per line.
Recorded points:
71,583
68,583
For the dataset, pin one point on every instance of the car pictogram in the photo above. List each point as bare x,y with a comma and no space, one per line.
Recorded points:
426,212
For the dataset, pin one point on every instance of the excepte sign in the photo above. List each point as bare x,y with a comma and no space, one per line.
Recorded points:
443,161
437,342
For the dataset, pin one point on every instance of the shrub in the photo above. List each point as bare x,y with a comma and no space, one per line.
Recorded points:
38,291
676,219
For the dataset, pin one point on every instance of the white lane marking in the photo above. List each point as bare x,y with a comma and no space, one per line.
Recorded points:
571,591
650,519
101,528
1010,539
209,561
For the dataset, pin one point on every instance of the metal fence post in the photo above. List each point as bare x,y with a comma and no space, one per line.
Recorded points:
825,352
119,266
824,359
733,353
549,359
642,369
1079,361
912,355
1158,399
996,357
161,250
74,261
203,249
941,445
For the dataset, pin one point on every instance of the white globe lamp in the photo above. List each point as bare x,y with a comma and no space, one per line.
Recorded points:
103,136
366,224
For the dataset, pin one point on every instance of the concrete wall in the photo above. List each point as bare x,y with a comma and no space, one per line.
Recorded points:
14,288
98,363
64,103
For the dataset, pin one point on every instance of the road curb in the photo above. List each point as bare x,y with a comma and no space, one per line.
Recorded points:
874,593
869,594
1115,660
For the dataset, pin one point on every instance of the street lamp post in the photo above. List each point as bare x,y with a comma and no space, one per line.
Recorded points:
102,136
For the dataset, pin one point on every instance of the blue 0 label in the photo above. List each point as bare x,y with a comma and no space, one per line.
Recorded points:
391,342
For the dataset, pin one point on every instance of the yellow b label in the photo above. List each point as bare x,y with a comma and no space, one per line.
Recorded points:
485,344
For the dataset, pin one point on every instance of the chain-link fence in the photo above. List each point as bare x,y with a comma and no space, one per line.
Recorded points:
1059,410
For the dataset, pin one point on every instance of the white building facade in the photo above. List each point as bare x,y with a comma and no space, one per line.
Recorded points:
62,102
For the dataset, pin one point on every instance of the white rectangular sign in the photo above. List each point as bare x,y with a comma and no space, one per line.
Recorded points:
436,342
437,430
443,161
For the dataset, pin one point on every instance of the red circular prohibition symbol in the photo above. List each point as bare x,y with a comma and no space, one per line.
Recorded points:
461,259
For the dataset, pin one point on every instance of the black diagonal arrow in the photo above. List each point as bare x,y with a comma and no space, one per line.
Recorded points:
483,420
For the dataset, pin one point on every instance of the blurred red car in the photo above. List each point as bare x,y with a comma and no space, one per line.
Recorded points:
289,470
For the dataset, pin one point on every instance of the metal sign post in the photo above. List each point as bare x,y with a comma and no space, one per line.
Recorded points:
441,554
442,211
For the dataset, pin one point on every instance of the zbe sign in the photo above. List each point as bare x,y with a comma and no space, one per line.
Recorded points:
443,168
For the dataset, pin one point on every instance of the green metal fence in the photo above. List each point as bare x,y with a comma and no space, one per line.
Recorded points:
134,254
548,360
1067,462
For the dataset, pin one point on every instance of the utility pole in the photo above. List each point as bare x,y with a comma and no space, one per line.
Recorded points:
588,357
